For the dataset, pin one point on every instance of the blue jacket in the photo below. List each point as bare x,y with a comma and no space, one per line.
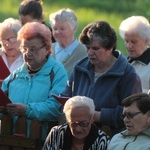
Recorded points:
36,92
108,91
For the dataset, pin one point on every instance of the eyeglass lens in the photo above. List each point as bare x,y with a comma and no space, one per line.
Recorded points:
129,115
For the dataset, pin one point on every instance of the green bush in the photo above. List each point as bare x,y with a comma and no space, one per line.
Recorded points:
87,11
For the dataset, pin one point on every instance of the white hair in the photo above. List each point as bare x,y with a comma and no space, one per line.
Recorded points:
136,25
78,101
64,15
10,23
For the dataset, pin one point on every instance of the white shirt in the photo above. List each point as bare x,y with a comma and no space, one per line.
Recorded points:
16,64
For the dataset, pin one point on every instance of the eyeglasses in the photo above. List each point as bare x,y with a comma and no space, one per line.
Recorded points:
83,124
33,49
129,115
10,40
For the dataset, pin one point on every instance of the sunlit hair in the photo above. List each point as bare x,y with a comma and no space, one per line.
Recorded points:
64,15
33,30
142,101
32,8
135,25
10,23
101,31
78,101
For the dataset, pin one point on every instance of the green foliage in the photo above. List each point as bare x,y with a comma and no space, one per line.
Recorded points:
87,11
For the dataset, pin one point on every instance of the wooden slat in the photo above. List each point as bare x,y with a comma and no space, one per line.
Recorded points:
6,124
10,140
21,126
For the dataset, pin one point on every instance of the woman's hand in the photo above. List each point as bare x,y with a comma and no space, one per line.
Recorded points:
16,109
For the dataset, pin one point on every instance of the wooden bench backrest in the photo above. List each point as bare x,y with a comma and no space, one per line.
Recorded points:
18,140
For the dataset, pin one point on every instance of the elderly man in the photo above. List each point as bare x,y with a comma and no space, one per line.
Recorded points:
136,116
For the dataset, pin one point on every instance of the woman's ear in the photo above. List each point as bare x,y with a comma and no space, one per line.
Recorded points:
41,19
148,117
148,113
92,119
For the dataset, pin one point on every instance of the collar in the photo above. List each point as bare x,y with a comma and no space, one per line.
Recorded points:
144,58
145,132
69,49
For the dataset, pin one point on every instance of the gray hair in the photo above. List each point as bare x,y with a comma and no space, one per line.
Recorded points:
78,101
64,15
11,23
135,24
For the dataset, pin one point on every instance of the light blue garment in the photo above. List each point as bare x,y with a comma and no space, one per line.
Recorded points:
36,92
123,141
78,53
62,53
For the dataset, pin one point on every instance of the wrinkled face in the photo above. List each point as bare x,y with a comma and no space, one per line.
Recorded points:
62,31
34,53
27,18
98,55
135,45
80,115
138,121
9,42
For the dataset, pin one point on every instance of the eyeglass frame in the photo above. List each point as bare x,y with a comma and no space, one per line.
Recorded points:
129,115
31,49
9,40
80,123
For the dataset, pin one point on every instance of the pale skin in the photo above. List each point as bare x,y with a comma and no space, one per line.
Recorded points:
34,61
135,44
77,114
102,59
10,49
138,123
29,18
63,33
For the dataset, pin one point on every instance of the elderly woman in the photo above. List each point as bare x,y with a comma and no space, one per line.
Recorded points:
105,75
10,46
79,133
135,31
136,116
67,49
30,87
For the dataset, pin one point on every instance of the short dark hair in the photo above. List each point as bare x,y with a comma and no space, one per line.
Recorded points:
101,30
32,8
142,101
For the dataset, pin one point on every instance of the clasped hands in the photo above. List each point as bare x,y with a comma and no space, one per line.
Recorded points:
15,109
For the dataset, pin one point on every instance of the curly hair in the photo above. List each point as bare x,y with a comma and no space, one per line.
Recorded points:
135,25
100,30
36,30
64,15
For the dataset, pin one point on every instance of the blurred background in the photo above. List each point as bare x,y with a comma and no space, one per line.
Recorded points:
87,11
